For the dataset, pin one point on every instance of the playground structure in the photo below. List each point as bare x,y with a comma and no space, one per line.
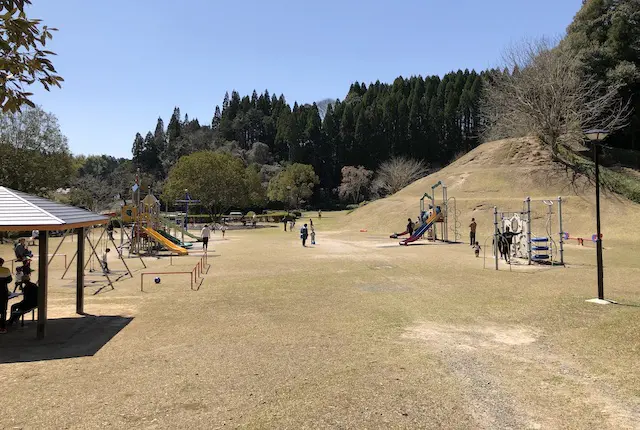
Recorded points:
146,229
433,216
525,243
94,261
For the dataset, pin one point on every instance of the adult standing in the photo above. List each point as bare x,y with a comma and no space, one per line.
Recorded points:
472,232
304,234
204,234
5,280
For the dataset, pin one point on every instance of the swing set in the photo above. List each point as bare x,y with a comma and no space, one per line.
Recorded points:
97,266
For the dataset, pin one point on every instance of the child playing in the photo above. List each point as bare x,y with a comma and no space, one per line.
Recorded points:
313,235
476,249
105,266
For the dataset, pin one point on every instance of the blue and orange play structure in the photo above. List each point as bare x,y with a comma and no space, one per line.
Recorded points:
433,216
426,225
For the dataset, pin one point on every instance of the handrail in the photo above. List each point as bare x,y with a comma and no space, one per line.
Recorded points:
196,274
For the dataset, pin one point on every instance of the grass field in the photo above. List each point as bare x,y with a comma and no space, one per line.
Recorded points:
356,332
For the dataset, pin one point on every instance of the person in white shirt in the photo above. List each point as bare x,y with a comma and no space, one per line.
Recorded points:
204,234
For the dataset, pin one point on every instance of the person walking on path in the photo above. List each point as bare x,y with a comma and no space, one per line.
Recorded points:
304,234
223,229
472,232
204,234
5,280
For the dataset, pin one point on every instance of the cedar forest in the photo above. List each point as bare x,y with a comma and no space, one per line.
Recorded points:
266,150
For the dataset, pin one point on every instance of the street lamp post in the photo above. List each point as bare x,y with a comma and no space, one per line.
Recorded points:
597,136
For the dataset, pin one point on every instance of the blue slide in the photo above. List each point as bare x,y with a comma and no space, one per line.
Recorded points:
423,228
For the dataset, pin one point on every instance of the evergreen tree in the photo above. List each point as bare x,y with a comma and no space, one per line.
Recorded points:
174,144
217,115
138,146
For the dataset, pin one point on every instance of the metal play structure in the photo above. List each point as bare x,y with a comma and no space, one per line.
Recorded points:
94,262
533,246
443,214
145,228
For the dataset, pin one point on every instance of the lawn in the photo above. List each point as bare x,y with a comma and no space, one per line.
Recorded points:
355,332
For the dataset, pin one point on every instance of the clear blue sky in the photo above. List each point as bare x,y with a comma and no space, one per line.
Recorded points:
126,62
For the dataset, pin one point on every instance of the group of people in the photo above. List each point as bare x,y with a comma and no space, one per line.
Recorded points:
505,240
306,231
29,297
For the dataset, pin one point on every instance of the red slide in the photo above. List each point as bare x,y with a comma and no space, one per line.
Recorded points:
397,235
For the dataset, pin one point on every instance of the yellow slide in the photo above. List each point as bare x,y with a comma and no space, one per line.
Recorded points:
165,242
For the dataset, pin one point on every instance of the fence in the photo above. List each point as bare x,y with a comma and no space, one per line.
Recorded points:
196,275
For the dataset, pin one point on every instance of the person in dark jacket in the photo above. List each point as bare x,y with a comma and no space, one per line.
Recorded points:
410,226
5,280
21,250
29,300
304,234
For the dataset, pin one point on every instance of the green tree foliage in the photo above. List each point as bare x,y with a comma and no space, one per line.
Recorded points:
100,178
605,34
293,185
429,119
256,192
34,155
23,59
217,179
137,150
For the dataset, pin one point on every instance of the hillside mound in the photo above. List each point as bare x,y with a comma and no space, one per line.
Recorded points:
503,174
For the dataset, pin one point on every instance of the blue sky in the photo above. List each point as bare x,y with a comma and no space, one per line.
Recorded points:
126,62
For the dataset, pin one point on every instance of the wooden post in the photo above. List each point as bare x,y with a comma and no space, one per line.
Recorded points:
43,241
80,272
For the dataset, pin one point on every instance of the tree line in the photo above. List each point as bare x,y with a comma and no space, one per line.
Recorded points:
429,119
361,147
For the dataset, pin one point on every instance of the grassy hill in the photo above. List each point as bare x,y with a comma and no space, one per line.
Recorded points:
503,174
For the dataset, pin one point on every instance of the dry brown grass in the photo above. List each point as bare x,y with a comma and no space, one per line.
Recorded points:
503,174
356,332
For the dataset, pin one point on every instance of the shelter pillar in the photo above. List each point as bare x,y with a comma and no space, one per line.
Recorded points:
80,272
43,242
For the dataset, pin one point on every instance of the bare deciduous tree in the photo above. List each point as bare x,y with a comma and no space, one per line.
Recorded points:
546,95
398,172
355,182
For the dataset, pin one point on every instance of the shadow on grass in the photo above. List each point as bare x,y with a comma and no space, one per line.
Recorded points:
65,338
